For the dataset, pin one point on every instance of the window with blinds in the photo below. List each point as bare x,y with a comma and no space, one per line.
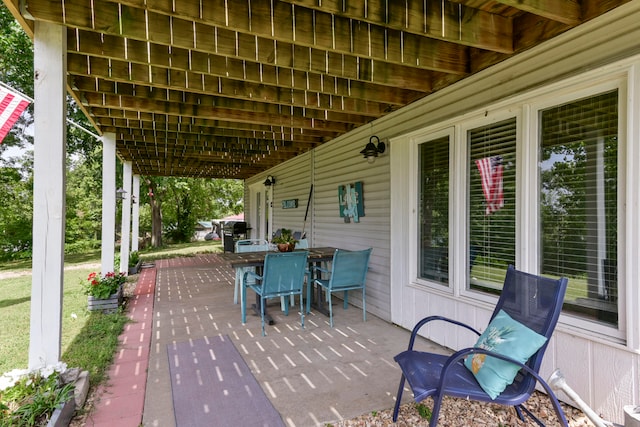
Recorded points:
492,203
578,202
433,206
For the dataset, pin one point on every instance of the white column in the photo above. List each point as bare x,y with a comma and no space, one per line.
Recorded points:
125,238
135,220
49,45
108,202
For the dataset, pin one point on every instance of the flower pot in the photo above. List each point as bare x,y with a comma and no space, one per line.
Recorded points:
106,305
135,268
286,247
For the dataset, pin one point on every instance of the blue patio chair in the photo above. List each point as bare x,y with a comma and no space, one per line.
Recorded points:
283,275
301,244
348,272
247,245
503,366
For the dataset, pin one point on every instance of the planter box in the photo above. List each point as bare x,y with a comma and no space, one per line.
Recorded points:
62,415
106,305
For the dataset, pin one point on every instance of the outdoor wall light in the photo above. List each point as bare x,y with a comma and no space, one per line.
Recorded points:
133,199
269,181
120,193
372,150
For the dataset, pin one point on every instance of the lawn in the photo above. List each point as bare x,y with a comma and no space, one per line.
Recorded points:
79,326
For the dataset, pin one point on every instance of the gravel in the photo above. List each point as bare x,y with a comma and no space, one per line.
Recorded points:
463,413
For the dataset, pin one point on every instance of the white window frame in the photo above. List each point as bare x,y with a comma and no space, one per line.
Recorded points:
525,109
559,96
415,141
462,165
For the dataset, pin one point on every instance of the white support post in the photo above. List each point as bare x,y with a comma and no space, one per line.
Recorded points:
50,55
125,237
135,220
108,202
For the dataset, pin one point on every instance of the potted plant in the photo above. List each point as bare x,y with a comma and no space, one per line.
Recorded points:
134,262
42,396
285,241
104,293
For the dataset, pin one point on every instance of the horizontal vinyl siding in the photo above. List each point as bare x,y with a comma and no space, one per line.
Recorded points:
341,163
293,181
605,375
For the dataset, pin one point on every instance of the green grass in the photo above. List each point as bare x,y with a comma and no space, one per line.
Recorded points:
88,339
181,249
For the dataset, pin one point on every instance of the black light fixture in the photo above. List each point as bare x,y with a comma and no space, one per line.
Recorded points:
133,199
372,150
120,192
269,181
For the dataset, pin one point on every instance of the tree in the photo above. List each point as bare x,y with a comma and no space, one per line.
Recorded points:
191,199
15,214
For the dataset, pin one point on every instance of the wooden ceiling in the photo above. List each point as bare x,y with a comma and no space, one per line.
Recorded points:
230,88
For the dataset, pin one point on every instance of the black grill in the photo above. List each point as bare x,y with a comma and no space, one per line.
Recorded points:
232,231
235,228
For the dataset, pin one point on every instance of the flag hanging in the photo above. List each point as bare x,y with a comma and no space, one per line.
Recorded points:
491,175
11,106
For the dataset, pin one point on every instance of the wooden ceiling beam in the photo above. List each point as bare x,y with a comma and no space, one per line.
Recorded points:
208,68
156,122
251,78
448,21
101,82
220,144
373,53
149,135
565,11
211,71
289,25
119,104
129,94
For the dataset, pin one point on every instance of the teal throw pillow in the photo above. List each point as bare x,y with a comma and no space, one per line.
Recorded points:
510,338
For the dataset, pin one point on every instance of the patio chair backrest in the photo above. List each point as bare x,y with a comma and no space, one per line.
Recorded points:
536,302
349,269
284,273
252,245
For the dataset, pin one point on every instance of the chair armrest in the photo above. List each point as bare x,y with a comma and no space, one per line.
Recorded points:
250,274
461,354
426,320
320,269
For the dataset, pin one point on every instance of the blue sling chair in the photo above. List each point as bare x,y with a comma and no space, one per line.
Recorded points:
516,338
283,276
348,272
247,245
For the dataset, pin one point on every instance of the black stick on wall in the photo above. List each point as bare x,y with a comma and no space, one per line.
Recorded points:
304,225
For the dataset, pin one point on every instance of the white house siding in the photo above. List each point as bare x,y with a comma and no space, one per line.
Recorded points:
337,163
604,371
603,368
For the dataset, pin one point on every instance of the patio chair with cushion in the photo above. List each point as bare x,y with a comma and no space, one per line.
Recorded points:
247,245
283,275
503,365
348,272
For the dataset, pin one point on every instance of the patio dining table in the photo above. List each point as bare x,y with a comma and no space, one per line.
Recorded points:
256,259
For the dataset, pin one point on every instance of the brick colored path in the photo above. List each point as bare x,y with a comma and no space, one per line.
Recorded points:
120,401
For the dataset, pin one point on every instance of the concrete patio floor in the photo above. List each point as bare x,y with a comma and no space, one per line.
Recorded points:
313,376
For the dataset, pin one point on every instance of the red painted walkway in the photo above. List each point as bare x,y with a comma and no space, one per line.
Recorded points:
120,401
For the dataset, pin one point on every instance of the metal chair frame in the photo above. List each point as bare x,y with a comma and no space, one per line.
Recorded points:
532,300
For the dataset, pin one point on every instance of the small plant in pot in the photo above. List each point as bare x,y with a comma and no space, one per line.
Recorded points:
285,241
134,262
